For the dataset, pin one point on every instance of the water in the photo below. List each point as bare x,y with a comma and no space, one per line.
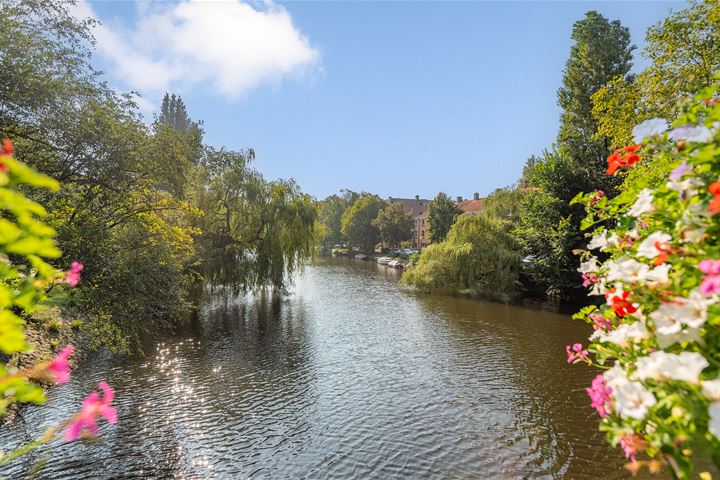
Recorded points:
348,378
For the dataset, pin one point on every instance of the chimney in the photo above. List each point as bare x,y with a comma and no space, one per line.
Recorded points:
476,196
459,199
417,197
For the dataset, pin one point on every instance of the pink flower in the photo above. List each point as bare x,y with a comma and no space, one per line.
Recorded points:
576,353
600,322
631,444
72,276
711,283
679,171
85,423
59,365
599,394
589,279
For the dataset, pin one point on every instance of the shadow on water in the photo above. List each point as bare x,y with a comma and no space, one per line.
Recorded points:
347,378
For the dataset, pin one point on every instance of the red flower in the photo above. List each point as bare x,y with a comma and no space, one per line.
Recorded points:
7,147
619,303
714,188
623,157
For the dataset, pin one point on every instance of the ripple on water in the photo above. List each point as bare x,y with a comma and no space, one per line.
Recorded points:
348,378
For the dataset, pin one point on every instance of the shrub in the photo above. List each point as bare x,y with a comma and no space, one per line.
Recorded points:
657,333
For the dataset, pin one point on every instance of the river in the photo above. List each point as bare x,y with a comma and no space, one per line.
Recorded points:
350,378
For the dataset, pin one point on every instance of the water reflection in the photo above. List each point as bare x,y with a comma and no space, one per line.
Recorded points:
348,378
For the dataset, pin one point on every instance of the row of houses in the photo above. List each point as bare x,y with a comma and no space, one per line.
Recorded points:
418,208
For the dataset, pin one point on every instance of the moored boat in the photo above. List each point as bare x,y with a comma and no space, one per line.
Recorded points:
396,264
384,260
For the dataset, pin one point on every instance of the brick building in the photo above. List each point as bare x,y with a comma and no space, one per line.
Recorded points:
417,208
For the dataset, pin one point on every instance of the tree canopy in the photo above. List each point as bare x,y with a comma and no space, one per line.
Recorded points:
442,213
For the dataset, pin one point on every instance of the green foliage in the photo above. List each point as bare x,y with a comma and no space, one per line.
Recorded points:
357,223
479,257
256,234
394,224
330,215
549,228
659,273
26,243
684,54
442,213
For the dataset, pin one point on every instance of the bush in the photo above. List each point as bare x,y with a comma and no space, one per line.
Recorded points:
657,335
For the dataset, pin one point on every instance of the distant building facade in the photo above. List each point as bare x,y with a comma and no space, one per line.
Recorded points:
417,208
471,207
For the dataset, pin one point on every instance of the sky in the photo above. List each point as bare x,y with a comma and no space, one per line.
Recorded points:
394,98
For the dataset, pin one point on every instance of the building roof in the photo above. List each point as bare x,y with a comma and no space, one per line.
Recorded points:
471,206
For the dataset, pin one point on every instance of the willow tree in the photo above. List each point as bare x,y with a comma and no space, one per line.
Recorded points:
256,233
479,257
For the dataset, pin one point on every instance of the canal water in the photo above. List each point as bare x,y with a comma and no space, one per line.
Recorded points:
349,378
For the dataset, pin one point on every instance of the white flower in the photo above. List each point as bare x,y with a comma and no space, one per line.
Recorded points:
626,334
685,187
711,390
589,266
629,270
692,133
598,288
649,128
598,241
615,376
687,334
648,247
673,318
643,204
658,275
660,365
714,414
633,400
626,269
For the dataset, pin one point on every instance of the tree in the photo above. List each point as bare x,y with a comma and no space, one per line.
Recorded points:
549,229
479,257
442,213
684,54
394,223
357,223
256,233
330,216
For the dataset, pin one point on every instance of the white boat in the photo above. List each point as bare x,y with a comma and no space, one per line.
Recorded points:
384,260
360,256
396,264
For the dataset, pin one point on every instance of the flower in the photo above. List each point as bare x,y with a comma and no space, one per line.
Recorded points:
711,283
599,394
618,302
598,241
649,128
714,188
633,400
589,266
626,334
72,276
59,367
711,389
85,422
628,157
600,322
599,195
679,171
691,133
630,270
714,423
576,353
643,204
631,444
7,147
660,365
654,246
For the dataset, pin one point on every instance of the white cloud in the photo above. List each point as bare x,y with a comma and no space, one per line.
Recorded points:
233,46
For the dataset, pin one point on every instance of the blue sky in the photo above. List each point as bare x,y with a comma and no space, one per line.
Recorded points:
395,98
